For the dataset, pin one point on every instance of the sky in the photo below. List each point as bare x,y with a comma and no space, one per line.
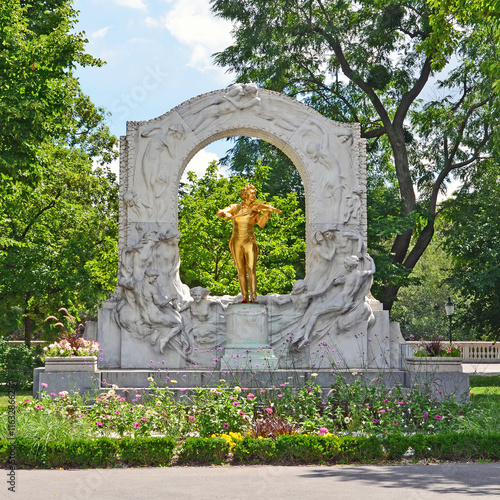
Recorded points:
158,54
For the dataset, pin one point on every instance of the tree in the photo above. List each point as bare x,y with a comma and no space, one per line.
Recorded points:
58,210
369,62
419,307
472,238
204,251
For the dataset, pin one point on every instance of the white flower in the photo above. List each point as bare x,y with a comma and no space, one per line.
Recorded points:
237,389
314,375
347,420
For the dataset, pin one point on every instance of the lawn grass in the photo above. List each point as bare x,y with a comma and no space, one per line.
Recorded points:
20,396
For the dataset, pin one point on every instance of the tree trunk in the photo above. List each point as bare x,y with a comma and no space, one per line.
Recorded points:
27,329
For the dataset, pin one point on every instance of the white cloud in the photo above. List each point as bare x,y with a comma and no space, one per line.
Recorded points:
151,22
133,4
100,33
199,163
193,24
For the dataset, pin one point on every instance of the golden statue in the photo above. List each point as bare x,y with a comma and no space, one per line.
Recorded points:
243,244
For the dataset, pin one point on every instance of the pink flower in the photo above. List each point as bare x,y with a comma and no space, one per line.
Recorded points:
43,384
235,403
226,426
401,402
269,411
426,415
280,395
262,391
241,413
53,394
395,422
323,430
374,420
309,389
117,412
448,350
250,395
382,411
192,418
438,417
99,424
81,415
367,405
144,419
38,407
27,400
136,425
386,400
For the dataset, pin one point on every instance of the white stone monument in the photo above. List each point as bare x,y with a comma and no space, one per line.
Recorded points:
153,316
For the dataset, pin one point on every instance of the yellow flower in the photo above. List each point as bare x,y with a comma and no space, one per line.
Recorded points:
173,381
151,379
222,381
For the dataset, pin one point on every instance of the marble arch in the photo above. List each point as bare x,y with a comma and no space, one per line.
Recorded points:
139,324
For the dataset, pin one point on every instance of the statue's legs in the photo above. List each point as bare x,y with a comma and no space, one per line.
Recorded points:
245,258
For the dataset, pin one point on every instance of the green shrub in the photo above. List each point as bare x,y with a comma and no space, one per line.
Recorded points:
82,453
4,452
204,451
17,363
301,449
254,450
149,451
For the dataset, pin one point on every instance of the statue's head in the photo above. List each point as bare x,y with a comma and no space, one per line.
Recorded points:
198,293
351,263
299,286
249,191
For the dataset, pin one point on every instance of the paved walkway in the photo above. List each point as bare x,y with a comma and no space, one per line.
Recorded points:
386,482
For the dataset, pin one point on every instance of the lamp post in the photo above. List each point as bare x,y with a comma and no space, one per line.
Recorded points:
450,309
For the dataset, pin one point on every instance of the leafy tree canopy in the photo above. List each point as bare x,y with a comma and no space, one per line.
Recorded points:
472,238
373,63
58,210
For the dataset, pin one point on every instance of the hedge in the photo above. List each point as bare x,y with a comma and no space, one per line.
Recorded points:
287,449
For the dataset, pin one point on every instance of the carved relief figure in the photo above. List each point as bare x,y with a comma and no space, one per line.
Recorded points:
334,183
353,205
135,259
321,265
202,317
153,168
239,97
137,205
243,244
167,259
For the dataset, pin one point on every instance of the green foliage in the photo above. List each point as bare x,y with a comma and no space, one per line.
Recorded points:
204,247
420,305
250,450
300,449
369,62
472,238
17,363
203,451
147,451
58,211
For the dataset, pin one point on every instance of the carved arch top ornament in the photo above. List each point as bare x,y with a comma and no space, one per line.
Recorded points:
329,156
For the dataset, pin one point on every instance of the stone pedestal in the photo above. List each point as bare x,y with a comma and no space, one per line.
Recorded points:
246,326
247,344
